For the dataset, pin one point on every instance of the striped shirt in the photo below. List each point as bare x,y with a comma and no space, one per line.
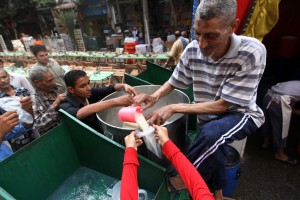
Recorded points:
233,78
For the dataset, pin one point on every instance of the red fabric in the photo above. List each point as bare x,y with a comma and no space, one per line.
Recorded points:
243,7
129,183
190,176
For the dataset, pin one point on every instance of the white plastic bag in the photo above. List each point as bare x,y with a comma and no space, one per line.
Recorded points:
13,104
150,141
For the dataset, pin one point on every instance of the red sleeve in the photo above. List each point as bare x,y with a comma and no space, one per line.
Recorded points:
190,176
129,183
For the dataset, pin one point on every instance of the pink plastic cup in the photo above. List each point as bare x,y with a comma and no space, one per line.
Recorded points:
127,114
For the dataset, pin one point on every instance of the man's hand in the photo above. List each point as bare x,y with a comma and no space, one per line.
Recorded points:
132,140
127,88
130,90
26,104
58,99
125,100
161,115
8,121
161,134
144,98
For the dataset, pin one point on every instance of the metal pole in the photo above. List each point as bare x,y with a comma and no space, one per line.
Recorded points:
145,11
195,5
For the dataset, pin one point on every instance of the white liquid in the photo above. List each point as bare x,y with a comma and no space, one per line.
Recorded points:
141,121
130,125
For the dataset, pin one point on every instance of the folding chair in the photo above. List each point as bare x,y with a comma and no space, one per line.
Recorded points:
119,75
106,69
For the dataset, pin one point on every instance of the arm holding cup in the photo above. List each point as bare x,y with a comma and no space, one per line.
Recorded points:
129,184
191,177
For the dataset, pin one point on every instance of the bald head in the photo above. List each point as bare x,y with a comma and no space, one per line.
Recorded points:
184,34
177,34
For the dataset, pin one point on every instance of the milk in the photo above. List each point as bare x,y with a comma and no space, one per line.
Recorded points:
141,121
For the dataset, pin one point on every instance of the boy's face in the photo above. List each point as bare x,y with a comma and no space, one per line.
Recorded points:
82,88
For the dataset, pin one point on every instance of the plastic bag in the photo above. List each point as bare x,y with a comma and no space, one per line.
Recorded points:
150,141
13,104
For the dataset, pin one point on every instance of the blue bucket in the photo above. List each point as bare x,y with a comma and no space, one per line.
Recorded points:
232,171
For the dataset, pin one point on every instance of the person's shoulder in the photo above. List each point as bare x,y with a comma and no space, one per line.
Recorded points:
177,42
35,65
192,45
53,60
251,42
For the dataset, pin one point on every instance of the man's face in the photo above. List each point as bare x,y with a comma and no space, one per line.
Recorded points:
42,57
213,37
82,88
4,80
47,83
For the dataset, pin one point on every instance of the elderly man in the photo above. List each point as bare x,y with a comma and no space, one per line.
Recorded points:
225,70
6,90
83,101
17,80
46,99
41,54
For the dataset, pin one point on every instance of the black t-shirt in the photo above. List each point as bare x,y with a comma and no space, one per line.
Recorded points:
72,106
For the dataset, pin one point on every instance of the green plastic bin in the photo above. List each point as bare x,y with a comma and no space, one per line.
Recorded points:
37,170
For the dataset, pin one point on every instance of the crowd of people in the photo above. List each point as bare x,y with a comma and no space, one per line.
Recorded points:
225,70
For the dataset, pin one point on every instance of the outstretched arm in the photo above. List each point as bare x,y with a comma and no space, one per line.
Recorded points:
150,100
90,109
129,184
190,176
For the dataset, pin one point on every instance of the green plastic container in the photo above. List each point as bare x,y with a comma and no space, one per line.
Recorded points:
37,170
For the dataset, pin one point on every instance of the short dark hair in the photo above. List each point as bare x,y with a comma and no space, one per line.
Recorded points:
38,48
177,34
72,76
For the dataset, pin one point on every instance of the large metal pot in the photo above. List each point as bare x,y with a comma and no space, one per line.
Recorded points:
176,125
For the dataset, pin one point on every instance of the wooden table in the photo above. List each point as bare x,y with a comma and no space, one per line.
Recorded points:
97,77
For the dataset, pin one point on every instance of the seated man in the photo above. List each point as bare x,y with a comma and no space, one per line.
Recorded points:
46,99
225,70
83,101
7,90
278,108
17,80
41,54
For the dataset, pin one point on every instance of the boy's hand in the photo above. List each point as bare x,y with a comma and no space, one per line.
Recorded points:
132,140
